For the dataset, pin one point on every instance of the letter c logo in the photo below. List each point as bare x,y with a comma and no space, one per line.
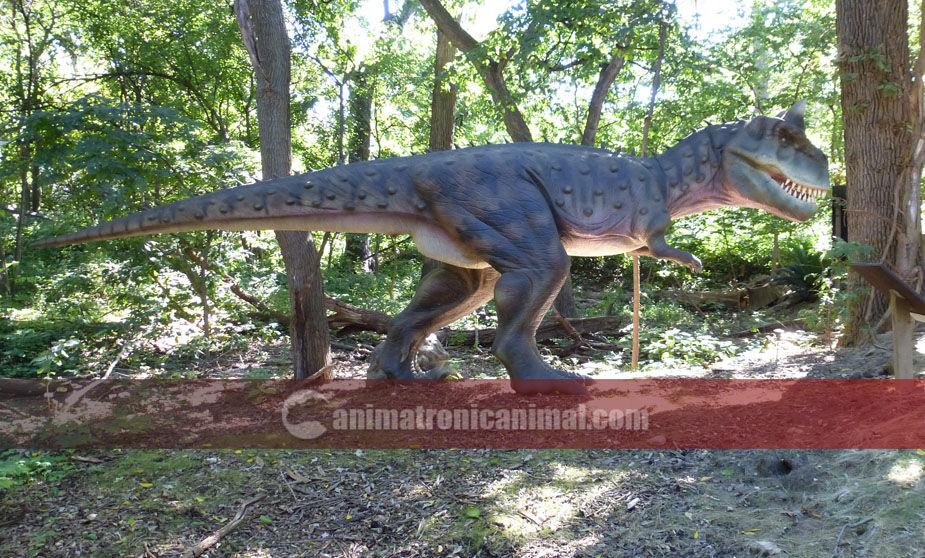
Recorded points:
309,429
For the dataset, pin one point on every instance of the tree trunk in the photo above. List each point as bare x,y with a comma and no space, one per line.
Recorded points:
360,105
881,128
442,112
595,107
443,101
552,329
204,288
36,194
4,278
357,254
264,32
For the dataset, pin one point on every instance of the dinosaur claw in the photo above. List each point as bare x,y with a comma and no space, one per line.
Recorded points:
552,381
440,373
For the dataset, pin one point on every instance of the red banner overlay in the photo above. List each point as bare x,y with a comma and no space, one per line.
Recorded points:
687,413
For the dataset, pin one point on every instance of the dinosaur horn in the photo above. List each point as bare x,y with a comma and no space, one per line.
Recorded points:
795,114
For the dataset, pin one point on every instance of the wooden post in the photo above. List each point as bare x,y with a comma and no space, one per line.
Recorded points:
636,293
903,328
906,305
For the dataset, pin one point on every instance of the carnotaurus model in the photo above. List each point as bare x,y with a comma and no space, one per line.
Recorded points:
503,219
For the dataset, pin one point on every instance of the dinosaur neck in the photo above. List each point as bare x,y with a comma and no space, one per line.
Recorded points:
693,183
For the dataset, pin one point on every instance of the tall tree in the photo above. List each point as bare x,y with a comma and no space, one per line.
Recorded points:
491,69
443,103
185,54
31,33
442,110
883,127
264,32
357,253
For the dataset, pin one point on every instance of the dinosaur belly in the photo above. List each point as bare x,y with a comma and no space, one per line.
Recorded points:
435,243
608,246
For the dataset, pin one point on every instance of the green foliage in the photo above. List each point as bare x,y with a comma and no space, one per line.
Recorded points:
804,268
388,292
675,346
18,468
836,297
118,156
39,347
186,55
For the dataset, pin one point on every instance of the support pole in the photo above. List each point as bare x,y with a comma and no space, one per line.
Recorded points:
903,328
635,312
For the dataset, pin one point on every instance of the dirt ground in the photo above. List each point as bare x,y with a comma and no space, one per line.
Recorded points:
524,503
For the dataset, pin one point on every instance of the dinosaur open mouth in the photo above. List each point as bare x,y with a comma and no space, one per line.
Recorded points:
799,191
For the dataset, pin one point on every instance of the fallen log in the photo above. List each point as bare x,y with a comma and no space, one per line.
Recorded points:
732,299
347,317
548,330
791,324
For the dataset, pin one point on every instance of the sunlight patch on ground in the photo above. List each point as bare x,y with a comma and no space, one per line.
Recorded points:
23,314
907,471
528,510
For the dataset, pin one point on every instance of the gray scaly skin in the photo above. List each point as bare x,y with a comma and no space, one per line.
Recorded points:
504,219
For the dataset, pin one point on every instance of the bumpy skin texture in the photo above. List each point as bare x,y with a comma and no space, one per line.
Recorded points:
504,219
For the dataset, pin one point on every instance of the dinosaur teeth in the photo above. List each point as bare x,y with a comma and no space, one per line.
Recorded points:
800,191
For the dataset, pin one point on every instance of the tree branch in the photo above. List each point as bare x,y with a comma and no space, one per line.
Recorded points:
212,539
566,66
608,76
449,26
492,71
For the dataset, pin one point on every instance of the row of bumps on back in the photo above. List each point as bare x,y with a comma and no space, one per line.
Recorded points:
591,186
381,185
696,157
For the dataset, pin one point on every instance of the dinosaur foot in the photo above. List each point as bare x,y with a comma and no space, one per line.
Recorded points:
551,380
428,363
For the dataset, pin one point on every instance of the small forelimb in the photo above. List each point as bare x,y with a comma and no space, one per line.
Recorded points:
657,247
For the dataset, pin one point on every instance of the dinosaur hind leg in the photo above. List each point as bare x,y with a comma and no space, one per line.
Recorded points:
522,297
508,223
445,294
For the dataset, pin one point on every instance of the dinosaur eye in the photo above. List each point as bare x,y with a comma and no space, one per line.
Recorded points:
788,136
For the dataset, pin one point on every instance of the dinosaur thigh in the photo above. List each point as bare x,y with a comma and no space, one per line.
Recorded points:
520,240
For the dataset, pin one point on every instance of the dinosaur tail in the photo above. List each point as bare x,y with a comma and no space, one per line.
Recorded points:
321,200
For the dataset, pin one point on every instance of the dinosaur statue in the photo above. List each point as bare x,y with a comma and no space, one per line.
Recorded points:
504,219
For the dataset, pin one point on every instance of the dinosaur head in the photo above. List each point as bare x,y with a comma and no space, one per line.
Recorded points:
769,164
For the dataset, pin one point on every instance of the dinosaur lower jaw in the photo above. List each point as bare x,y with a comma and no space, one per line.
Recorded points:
760,187
801,192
